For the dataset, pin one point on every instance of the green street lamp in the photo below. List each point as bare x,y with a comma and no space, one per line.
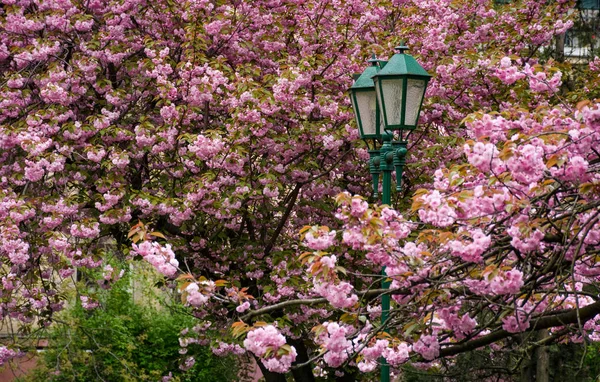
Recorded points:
399,86
400,89
368,116
364,102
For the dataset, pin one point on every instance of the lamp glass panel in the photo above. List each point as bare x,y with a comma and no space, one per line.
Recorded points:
415,90
355,108
392,99
367,107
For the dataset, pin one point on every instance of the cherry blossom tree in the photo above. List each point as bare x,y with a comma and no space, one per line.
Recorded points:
202,136
223,125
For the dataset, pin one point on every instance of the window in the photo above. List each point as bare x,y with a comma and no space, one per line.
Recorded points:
588,4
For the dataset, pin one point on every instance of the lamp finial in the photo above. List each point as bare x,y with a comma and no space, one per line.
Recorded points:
374,60
401,48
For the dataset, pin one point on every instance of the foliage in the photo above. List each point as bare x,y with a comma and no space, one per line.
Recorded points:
568,363
124,341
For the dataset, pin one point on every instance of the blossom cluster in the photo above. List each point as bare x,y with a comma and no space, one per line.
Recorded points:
333,339
395,355
270,346
198,293
6,354
161,257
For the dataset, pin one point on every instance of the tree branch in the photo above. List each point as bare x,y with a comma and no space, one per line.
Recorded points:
293,197
315,301
585,314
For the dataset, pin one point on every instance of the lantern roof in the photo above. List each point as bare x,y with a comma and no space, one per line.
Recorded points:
365,80
402,64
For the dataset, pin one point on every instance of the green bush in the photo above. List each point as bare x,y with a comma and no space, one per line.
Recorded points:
124,341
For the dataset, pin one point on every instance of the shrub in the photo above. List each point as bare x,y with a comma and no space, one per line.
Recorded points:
124,341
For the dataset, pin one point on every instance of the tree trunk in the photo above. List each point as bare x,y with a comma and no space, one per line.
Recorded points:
269,376
527,365
560,48
542,359
304,373
527,371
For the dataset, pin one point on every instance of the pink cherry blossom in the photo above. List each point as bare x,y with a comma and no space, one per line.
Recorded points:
266,338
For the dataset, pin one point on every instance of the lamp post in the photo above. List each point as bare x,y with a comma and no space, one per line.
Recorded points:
388,96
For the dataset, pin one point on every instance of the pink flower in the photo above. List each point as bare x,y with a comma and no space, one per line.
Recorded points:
224,348
527,165
358,207
519,322
88,303
319,239
436,210
507,73
354,238
539,82
85,230
575,170
243,307
366,366
266,338
509,282
428,347
6,354
339,295
372,353
161,257
461,324
335,342
206,148
17,250
169,113
484,156
329,261
523,243
471,251
270,193
194,296
397,355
